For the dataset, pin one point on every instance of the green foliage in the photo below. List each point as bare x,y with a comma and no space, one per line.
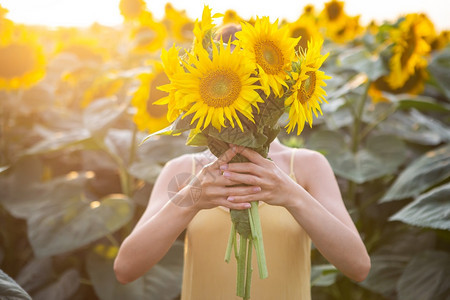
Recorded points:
428,210
10,289
163,281
430,169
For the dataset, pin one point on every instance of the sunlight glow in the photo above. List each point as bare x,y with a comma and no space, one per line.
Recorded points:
106,12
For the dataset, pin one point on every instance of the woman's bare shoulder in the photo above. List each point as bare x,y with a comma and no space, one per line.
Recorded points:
186,162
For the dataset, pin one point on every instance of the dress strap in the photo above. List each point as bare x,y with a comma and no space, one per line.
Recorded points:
291,171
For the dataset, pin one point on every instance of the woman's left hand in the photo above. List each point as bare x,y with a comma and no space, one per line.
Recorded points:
276,186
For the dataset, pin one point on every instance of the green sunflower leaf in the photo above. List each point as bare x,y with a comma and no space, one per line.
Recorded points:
163,281
426,277
428,210
9,289
362,61
381,155
439,68
68,221
431,168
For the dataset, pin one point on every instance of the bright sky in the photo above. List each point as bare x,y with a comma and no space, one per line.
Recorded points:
106,12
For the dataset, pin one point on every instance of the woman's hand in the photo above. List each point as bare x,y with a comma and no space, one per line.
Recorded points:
210,189
276,186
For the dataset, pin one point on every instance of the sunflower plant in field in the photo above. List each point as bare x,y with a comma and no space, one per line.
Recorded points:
235,93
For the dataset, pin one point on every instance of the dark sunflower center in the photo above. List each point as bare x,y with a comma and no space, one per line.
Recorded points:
220,88
269,56
411,42
303,32
334,10
153,110
16,60
307,88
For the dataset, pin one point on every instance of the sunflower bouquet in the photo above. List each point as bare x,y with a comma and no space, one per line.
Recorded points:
224,96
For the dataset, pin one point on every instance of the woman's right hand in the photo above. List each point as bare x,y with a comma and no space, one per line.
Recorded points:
210,188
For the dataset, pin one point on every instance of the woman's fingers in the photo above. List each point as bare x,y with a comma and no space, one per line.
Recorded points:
243,167
248,179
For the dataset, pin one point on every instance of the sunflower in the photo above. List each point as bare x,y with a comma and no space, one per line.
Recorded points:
22,61
182,30
179,25
308,11
307,29
174,98
149,36
441,41
307,92
150,116
231,16
217,88
409,49
203,30
6,26
132,9
415,83
271,49
333,13
347,31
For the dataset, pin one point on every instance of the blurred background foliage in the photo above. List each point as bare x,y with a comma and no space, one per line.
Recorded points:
75,103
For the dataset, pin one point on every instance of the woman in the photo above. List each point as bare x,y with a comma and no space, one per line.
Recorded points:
300,202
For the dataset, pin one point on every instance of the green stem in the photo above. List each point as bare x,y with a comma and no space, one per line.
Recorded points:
241,263
255,224
231,240
356,138
248,279
236,253
358,119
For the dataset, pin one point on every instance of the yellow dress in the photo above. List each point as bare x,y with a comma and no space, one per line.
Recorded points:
206,276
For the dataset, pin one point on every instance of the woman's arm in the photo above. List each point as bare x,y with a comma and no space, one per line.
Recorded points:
317,207
165,219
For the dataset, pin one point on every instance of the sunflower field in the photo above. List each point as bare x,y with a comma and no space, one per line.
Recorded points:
76,103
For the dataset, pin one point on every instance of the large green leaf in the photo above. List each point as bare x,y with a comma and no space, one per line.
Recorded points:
428,210
362,61
382,155
389,261
428,170
69,222
426,277
181,124
385,271
62,140
439,68
101,113
9,289
441,129
155,152
162,282
36,274
419,102
408,128
63,289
